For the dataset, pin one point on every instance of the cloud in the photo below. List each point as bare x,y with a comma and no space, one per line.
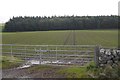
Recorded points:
11,8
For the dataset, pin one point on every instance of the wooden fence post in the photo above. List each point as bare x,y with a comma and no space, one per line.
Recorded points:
96,55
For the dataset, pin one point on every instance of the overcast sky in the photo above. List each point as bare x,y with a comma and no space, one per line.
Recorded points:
10,8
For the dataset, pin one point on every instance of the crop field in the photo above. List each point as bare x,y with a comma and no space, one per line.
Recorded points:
106,38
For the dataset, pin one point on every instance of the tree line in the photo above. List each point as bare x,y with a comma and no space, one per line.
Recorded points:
38,23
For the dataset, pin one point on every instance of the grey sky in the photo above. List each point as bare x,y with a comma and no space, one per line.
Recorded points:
10,8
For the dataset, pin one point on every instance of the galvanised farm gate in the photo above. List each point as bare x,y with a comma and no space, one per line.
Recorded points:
53,54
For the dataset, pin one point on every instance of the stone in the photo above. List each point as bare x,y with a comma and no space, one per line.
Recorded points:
115,61
114,52
108,52
118,51
116,58
109,57
102,50
104,57
100,58
103,62
118,54
110,62
101,65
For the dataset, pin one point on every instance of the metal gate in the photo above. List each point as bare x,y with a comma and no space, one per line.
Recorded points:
52,54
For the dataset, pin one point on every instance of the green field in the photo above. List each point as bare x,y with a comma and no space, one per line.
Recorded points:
106,38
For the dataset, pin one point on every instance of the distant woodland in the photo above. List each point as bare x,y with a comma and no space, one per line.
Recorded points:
38,23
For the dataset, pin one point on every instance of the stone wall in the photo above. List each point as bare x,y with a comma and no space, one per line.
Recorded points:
108,56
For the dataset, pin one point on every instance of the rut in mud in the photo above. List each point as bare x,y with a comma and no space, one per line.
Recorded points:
33,72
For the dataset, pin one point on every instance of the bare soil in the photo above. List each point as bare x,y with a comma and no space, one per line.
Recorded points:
50,72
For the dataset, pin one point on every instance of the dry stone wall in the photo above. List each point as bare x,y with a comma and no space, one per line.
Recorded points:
108,57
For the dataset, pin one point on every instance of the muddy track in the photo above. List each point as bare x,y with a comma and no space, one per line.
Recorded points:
25,73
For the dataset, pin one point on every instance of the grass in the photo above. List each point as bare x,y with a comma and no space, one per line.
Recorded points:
73,72
91,71
76,72
106,38
38,68
8,62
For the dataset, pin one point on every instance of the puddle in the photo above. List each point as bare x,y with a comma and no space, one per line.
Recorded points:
36,62
24,66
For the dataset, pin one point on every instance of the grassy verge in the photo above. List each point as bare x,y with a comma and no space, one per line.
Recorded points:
104,72
73,72
38,68
91,71
7,62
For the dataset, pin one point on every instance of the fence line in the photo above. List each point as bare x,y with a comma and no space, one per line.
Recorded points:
49,45
64,54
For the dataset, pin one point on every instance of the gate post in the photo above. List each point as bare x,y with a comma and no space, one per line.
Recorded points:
96,55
